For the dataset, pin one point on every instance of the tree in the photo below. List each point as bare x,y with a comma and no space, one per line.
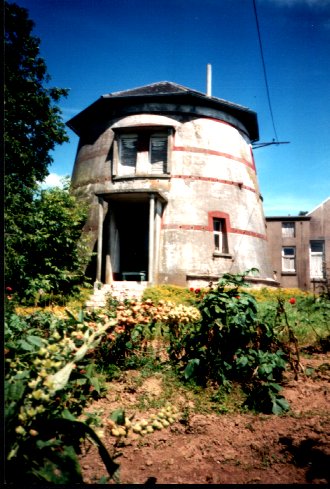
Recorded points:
33,126
53,254
43,249
54,251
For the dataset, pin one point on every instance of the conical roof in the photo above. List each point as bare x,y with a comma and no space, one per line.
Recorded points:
160,92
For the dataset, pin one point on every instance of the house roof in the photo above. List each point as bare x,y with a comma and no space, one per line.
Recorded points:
305,217
320,205
287,218
160,92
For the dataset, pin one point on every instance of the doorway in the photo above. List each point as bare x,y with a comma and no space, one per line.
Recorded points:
132,221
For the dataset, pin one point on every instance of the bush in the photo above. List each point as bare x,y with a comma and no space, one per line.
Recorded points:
46,262
229,344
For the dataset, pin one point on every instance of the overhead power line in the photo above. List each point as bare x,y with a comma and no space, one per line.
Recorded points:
264,70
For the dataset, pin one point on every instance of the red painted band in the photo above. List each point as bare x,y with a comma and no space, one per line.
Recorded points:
196,227
217,180
192,149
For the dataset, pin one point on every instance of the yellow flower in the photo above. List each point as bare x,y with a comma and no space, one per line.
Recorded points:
48,383
33,383
47,363
37,394
56,364
20,430
22,417
31,412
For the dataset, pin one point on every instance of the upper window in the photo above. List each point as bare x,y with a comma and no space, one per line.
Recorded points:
220,235
317,259
288,259
288,229
142,152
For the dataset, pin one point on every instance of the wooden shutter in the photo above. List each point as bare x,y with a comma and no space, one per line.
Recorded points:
158,153
128,154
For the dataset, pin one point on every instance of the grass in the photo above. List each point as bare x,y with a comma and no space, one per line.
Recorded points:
170,293
73,304
308,318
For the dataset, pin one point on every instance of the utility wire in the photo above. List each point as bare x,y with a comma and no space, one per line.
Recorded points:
264,68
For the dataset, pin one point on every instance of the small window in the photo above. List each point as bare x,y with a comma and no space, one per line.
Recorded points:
220,235
128,153
143,152
158,153
288,259
317,259
288,229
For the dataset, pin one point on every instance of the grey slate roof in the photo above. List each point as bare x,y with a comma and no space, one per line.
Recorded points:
161,92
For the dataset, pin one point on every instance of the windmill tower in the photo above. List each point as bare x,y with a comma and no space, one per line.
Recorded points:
170,177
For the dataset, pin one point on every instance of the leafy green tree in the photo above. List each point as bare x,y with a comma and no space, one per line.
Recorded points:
57,253
53,252
33,126
42,228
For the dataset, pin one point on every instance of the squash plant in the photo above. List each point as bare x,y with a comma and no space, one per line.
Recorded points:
228,344
48,382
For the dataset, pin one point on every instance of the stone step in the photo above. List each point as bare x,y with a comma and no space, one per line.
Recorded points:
118,290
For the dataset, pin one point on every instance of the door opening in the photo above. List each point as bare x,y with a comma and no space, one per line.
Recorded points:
132,219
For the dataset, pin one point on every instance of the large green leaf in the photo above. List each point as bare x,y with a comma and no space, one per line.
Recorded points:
35,340
280,405
191,368
118,416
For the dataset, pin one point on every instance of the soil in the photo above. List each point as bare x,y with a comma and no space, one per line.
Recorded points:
231,448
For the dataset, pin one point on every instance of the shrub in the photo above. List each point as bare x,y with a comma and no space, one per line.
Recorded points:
229,344
49,379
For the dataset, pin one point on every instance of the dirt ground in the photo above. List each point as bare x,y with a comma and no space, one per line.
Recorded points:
237,448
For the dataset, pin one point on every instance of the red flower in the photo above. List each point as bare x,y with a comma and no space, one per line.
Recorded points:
238,297
191,289
292,300
9,289
197,291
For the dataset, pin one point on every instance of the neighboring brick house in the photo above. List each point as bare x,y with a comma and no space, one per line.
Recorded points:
170,178
300,248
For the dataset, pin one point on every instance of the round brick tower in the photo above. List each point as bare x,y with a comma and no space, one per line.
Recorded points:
171,181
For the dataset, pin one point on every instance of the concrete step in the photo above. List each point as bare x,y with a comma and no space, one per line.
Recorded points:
118,290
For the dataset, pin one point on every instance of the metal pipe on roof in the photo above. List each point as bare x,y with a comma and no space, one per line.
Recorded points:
209,80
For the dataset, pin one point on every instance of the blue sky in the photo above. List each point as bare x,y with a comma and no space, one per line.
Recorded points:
94,47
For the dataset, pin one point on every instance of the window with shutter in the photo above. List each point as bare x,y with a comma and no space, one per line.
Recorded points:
158,153
143,152
128,153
